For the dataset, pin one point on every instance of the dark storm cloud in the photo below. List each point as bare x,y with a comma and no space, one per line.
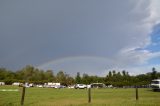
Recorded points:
36,31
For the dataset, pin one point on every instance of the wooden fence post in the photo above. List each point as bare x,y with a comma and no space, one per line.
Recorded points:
136,93
23,95
89,95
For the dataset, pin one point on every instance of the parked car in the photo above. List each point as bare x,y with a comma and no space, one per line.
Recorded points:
59,86
71,86
81,86
40,86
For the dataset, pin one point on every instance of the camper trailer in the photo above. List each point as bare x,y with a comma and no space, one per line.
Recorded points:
2,83
155,84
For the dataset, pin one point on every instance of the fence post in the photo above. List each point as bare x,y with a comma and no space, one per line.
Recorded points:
23,95
136,93
89,95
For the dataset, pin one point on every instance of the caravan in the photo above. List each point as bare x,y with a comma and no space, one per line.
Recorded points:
155,84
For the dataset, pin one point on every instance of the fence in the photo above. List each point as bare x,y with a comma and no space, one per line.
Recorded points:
84,96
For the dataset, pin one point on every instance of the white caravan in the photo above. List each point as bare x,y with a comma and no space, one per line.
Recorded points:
155,84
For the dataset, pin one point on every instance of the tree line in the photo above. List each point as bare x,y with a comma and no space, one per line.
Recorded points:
116,78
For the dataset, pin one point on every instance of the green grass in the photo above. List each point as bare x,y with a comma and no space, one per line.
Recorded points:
78,97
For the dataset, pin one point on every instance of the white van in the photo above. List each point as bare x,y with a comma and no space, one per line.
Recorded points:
155,84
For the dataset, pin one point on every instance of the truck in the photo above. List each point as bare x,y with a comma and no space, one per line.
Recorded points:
155,84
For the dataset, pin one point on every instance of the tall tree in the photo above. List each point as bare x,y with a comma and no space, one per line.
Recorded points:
61,77
110,74
154,73
78,78
124,73
49,75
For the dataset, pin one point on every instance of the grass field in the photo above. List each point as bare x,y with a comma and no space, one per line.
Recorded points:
78,97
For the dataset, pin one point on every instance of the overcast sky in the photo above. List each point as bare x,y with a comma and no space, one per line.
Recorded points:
87,36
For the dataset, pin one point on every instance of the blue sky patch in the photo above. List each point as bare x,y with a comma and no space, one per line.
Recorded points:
155,39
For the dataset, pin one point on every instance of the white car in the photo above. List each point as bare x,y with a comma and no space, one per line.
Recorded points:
40,86
81,86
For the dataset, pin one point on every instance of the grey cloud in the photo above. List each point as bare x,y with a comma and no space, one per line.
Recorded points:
34,32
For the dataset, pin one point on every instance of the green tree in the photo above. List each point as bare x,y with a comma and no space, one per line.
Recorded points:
154,73
78,78
49,76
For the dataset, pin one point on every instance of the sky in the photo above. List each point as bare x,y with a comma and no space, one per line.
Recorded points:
86,36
